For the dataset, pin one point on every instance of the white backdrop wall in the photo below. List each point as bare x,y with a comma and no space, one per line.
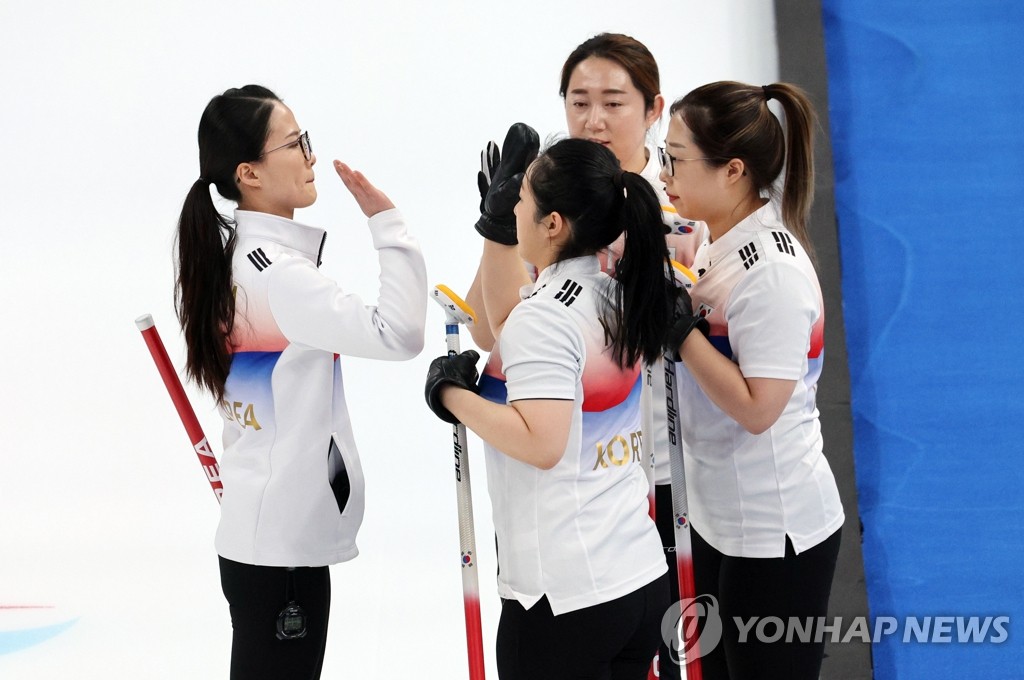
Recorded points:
106,521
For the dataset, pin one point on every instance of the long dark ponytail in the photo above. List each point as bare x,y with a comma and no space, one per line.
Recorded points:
583,181
232,130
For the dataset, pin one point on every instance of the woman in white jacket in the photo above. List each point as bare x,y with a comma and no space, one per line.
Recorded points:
265,332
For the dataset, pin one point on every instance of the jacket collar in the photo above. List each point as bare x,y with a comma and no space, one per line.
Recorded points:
305,240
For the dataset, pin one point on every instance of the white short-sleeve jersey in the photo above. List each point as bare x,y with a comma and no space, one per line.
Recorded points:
579,532
759,291
683,236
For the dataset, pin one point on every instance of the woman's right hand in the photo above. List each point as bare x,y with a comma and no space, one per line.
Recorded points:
458,371
371,200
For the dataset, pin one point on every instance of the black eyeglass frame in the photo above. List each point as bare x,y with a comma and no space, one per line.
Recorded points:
302,141
668,161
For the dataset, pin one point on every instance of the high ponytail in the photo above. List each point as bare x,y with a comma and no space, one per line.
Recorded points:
798,186
232,130
583,181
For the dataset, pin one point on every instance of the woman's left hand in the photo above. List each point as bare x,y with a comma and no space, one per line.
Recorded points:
371,200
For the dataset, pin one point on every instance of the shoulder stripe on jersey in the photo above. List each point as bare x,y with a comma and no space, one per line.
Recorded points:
749,255
259,259
570,291
784,242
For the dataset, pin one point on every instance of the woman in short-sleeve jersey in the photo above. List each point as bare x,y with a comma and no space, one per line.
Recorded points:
764,506
581,572
610,86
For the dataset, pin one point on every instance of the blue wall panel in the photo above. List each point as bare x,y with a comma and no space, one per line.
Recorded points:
927,116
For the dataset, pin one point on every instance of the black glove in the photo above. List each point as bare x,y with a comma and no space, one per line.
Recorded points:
458,370
499,180
683,321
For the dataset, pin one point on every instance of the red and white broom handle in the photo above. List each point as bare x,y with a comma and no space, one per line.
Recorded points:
457,312
181,403
680,505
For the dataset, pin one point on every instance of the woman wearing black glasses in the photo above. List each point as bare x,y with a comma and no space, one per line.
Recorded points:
764,506
264,330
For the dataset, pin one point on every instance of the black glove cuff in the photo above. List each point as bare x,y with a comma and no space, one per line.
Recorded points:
681,329
494,231
434,402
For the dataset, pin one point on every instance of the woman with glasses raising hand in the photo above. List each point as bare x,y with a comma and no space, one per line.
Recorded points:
264,330
764,507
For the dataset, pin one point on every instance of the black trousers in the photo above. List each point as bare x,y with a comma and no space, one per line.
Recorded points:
663,517
784,589
614,640
256,595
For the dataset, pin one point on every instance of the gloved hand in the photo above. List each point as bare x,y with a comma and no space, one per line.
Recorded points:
499,180
458,370
683,321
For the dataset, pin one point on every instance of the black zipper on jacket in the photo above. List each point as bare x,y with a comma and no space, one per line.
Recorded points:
320,253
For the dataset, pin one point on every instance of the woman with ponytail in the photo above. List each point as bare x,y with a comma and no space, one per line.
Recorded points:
264,330
764,507
581,572
610,86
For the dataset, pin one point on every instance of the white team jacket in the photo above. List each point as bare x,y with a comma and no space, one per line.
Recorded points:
293,486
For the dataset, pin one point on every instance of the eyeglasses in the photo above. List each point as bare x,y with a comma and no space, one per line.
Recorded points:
669,162
302,141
